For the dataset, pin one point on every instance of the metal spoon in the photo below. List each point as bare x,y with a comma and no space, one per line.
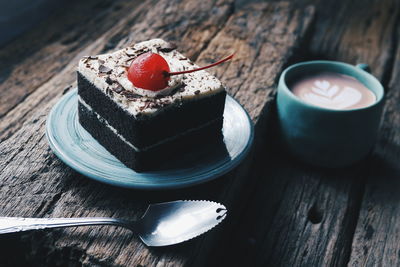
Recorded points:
162,224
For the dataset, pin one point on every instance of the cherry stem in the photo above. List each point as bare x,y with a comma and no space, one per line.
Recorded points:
202,68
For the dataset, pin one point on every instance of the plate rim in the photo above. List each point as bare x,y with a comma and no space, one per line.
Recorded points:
200,178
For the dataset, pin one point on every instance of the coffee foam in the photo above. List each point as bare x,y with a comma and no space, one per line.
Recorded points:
333,91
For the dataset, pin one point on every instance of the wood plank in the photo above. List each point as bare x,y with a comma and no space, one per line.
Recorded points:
264,37
33,182
354,32
30,61
301,215
377,236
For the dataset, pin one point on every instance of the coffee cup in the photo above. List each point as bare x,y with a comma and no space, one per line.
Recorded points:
329,125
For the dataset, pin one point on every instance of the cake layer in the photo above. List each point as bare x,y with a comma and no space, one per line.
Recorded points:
144,131
157,156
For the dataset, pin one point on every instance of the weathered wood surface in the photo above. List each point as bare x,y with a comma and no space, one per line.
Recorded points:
305,216
35,74
376,239
282,213
33,59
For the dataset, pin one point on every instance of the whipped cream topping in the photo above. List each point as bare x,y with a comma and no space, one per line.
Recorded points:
109,73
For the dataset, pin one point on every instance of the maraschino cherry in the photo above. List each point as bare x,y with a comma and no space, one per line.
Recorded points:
151,71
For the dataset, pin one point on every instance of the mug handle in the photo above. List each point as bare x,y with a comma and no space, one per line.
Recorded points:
364,67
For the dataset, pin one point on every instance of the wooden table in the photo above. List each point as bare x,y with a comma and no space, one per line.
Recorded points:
281,212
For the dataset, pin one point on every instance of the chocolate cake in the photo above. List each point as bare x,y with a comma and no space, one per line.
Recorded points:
144,128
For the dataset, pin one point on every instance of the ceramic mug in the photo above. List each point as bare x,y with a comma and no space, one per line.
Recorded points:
322,136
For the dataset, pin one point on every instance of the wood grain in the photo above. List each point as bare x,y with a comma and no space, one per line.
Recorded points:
33,182
357,32
33,59
300,215
376,239
281,212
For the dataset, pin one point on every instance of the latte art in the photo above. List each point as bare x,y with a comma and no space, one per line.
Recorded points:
334,91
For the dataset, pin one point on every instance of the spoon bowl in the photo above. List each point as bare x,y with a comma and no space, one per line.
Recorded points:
162,224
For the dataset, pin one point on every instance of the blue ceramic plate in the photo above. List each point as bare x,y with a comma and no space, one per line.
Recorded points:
77,148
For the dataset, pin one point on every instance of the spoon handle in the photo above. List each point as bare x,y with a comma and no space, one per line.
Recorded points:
18,224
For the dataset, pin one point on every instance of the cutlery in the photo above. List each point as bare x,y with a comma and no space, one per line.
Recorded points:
162,224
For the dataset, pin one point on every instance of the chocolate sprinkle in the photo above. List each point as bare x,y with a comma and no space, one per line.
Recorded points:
167,47
104,69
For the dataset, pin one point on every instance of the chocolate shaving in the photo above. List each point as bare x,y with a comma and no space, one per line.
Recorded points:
130,94
104,69
183,58
197,92
140,52
129,54
117,87
89,57
155,103
86,58
135,53
168,47
109,80
101,61
109,92
180,88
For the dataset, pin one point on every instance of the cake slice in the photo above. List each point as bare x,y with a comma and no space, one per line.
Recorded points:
143,128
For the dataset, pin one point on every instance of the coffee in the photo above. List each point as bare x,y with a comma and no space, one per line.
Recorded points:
333,91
